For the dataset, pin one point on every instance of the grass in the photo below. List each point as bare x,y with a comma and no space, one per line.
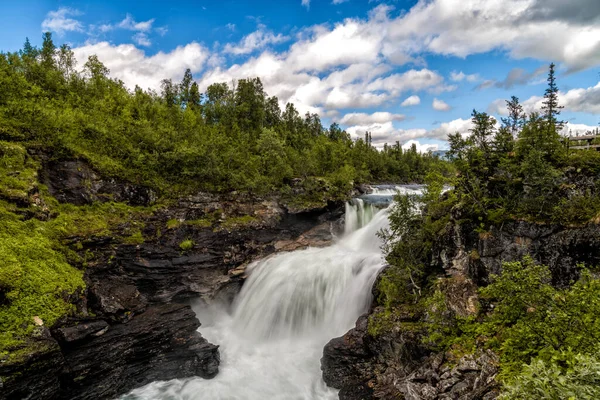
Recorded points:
35,279
186,245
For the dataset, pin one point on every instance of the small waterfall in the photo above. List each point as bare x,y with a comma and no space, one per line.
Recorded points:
358,214
290,306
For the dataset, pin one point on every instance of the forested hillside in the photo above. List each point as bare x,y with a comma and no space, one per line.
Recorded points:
174,143
507,261
228,138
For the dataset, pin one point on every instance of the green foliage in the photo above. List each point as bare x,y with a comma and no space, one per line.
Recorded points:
35,279
233,139
523,170
568,376
18,173
238,222
186,245
525,318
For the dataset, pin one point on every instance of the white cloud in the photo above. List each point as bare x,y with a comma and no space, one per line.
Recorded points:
421,148
411,101
461,76
162,30
133,67
462,28
59,21
231,27
572,129
385,132
336,2
585,100
306,3
142,39
364,119
440,105
130,24
256,40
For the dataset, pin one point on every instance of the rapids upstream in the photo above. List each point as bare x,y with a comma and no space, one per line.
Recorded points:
290,306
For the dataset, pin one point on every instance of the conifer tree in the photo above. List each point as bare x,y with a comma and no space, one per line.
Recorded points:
550,106
516,116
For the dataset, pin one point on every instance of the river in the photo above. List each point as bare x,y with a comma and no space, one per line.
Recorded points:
271,339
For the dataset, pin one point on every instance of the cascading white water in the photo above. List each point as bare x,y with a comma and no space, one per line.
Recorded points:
289,307
358,214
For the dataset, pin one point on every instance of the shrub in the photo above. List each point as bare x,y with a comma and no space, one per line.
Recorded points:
186,245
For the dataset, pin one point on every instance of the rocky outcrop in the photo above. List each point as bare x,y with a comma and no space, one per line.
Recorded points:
98,360
464,252
74,181
134,324
395,364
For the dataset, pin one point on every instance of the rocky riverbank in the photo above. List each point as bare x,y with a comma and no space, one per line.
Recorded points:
394,362
133,324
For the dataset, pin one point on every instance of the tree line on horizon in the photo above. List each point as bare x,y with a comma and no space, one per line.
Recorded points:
227,138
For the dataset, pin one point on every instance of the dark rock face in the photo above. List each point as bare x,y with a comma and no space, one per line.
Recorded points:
75,182
33,378
134,326
161,343
464,252
95,360
396,365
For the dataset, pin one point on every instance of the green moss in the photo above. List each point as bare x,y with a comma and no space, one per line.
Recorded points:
18,172
186,245
201,222
35,279
134,238
173,223
232,223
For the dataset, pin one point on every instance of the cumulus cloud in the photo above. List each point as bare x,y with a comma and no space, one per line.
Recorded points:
133,67
461,76
365,63
585,100
440,105
385,132
130,24
60,21
411,101
364,119
516,76
421,148
142,39
256,40
572,129
469,27
306,3
336,2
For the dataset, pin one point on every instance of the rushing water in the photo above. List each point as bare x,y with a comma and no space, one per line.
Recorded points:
291,305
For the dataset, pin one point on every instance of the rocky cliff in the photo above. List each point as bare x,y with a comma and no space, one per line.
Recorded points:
133,322
395,364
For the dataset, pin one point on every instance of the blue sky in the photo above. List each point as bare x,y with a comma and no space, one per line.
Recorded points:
404,70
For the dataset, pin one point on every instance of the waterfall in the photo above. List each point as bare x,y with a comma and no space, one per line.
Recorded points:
290,306
358,214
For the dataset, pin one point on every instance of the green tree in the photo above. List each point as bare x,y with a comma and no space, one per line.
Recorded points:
550,107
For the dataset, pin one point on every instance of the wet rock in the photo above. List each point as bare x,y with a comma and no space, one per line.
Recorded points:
74,181
161,343
41,379
81,331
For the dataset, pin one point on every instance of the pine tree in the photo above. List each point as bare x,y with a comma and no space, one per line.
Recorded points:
48,52
550,107
516,116
185,87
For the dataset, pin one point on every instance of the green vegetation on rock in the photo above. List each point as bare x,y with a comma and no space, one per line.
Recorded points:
35,279
547,336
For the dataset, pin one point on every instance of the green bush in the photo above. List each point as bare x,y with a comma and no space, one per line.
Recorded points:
35,279
186,245
570,376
